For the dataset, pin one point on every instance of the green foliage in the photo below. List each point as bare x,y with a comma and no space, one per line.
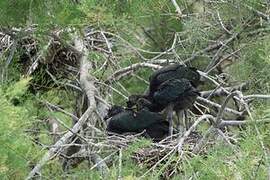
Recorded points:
14,12
45,13
16,150
222,162
246,160
129,166
213,166
137,145
255,64
18,89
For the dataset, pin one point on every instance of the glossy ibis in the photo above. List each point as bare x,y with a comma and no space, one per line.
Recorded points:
144,101
162,80
175,94
122,121
174,71
113,111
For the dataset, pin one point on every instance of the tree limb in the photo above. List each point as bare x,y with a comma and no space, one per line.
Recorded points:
89,88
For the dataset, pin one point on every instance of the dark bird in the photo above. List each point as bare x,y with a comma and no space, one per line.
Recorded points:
173,94
113,111
176,94
173,86
180,92
139,102
122,121
158,131
174,71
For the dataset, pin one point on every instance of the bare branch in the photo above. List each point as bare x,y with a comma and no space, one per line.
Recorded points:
54,128
222,108
261,96
131,68
100,164
213,104
90,91
60,110
220,91
258,13
187,133
224,123
215,58
210,133
178,10
51,153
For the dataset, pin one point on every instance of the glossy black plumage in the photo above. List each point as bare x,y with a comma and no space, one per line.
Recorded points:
158,78
179,92
143,101
171,87
178,95
174,71
113,111
129,121
158,131
174,94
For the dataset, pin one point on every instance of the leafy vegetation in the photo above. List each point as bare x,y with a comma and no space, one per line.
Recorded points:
16,148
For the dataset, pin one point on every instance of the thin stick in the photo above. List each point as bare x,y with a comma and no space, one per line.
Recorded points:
120,165
187,133
60,109
132,67
262,96
213,104
265,150
222,108
59,143
239,123
177,8
204,139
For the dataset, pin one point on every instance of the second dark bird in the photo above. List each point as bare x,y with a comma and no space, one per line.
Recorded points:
120,120
174,71
178,95
171,87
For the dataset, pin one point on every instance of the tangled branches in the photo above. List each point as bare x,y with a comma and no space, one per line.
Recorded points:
72,65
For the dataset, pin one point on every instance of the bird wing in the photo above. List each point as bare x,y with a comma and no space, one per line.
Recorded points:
165,69
189,73
127,122
162,75
171,90
146,118
158,131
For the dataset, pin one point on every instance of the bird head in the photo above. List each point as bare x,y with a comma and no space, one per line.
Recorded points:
132,100
194,76
143,103
113,111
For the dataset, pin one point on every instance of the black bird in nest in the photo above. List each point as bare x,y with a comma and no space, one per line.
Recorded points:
173,94
113,111
174,71
178,95
173,85
120,120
